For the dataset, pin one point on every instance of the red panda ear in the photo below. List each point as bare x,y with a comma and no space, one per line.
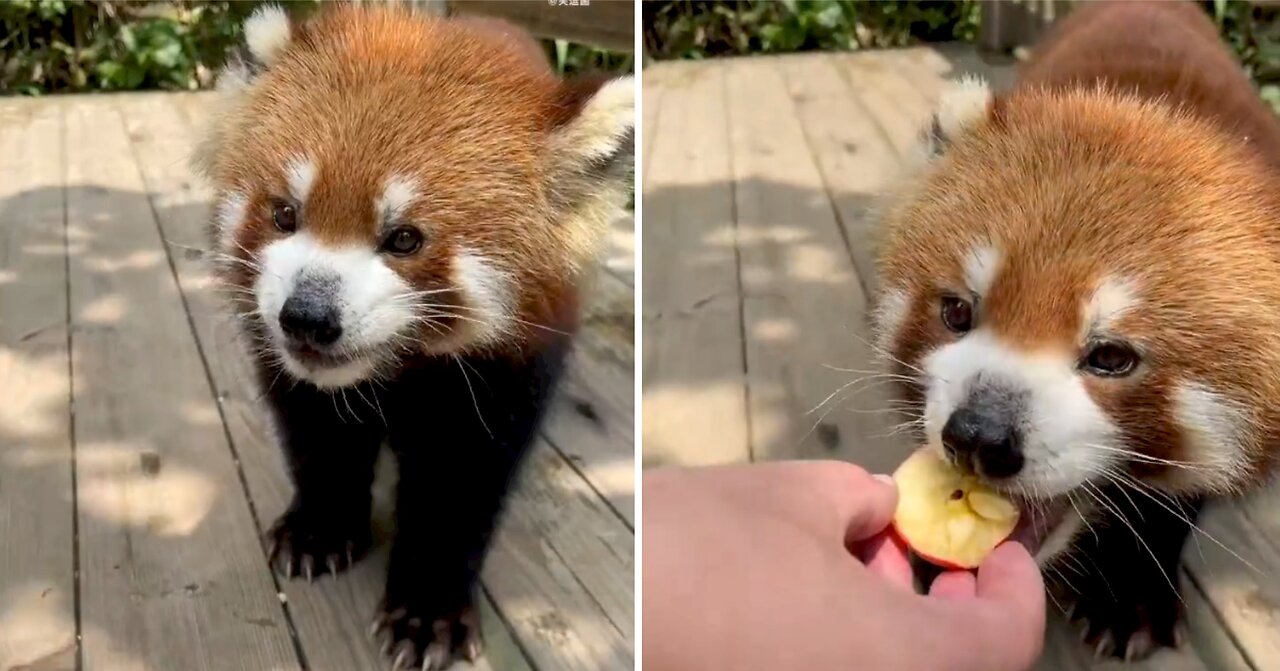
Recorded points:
592,139
963,104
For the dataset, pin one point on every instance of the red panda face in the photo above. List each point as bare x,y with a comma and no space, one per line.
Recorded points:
1082,287
392,185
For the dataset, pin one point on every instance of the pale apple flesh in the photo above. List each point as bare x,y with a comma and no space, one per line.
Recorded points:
948,517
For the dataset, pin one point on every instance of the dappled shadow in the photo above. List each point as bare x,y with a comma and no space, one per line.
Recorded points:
162,516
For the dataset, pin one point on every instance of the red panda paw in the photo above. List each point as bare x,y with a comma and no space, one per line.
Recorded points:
1130,631
412,644
301,546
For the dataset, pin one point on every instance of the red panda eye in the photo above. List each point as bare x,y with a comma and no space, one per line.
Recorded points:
957,314
402,241
284,215
1110,359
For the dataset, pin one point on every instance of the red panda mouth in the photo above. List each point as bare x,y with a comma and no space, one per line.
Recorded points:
1038,520
315,358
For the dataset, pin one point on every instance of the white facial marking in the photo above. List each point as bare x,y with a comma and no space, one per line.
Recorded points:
266,32
1062,536
1059,419
301,174
488,293
962,103
980,268
397,196
228,215
374,303
1111,300
1217,438
890,313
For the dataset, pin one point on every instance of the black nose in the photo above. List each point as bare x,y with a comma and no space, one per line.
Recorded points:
311,321
986,442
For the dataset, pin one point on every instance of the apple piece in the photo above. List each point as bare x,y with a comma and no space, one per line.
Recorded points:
948,517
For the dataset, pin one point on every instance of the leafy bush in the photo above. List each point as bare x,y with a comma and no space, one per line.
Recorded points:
1253,30
116,45
696,29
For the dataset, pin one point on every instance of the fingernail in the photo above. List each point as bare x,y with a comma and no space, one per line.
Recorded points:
886,479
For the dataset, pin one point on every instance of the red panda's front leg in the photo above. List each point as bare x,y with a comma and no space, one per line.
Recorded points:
330,446
460,430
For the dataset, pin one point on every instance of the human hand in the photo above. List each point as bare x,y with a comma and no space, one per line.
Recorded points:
786,566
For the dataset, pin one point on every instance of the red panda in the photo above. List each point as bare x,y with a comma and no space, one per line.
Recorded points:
404,207
1083,284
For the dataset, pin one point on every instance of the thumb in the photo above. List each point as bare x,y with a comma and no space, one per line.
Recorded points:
1009,584
871,509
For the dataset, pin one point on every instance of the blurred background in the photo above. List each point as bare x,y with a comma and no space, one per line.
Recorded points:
771,131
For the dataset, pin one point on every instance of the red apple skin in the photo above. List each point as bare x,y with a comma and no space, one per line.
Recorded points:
941,563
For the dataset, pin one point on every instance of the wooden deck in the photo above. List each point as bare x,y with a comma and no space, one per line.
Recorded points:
758,175
136,472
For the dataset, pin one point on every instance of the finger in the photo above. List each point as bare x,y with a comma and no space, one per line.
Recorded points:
885,555
1011,577
954,585
871,509
1011,589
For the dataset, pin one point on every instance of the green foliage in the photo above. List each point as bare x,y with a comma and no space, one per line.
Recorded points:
79,45
51,46
1254,32
696,29
569,58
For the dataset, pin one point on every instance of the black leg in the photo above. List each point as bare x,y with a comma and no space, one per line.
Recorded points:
1128,593
468,438
330,445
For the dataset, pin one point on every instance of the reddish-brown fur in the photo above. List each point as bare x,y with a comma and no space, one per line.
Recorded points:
1164,173
463,107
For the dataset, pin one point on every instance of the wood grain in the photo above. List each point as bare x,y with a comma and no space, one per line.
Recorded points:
171,571
37,589
694,385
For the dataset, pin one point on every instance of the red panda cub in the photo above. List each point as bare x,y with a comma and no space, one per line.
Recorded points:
404,208
1083,284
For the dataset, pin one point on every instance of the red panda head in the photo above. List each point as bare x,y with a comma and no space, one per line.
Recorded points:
391,185
1085,289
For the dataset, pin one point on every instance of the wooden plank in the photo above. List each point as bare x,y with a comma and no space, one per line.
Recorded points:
561,571
651,89
803,307
37,588
331,617
592,422
694,380
1208,647
163,523
1245,595
896,106
856,160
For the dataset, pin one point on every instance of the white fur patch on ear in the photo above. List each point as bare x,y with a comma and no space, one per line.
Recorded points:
267,32
228,215
398,194
980,268
487,291
603,124
301,175
1216,440
962,103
